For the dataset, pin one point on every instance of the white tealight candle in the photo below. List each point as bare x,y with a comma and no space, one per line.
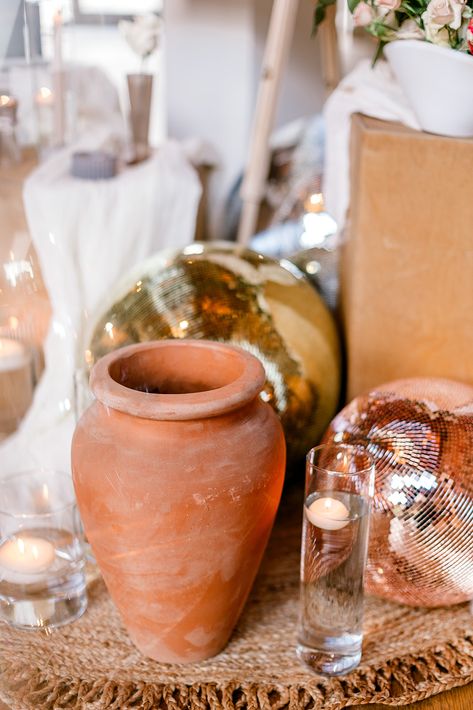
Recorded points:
328,513
24,559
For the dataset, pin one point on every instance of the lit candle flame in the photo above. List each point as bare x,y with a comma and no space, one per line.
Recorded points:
45,93
316,198
21,546
314,203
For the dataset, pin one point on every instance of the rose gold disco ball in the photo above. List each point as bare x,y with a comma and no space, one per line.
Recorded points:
420,433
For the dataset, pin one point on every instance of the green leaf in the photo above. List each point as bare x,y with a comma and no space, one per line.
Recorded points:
352,4
379,52
320,13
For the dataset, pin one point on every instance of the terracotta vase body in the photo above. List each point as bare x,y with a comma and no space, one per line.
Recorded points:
178,468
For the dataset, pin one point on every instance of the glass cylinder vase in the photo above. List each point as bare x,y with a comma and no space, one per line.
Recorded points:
339,488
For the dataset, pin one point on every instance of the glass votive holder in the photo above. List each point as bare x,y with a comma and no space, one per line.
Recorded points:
16,384
42,580
83,395
338,493
83,398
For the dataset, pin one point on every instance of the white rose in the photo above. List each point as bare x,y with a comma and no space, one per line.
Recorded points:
437,34
150,20
458,8
363,14
142,34
410,30
439,12
443,12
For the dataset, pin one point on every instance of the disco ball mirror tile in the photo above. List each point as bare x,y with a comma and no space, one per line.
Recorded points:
420,433
231,294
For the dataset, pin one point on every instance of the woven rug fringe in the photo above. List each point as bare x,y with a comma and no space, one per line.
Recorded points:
396,682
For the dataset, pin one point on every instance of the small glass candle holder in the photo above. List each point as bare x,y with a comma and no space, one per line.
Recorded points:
339,489
16,384
42,580
83,395
9,148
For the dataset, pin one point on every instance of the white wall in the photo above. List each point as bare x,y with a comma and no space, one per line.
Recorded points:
207,89
103,46
213,57
302,90
209,86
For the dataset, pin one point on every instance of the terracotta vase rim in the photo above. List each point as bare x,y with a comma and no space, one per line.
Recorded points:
211,402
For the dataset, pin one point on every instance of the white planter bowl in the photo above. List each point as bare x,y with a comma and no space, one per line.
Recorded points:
438,83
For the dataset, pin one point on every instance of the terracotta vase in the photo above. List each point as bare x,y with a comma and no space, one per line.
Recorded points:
178,468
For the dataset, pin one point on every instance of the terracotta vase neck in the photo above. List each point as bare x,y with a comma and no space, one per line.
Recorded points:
177,379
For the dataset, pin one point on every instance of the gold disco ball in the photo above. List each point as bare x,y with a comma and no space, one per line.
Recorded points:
420,433
222,292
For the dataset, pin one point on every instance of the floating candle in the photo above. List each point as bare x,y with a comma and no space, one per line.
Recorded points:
328,513
25,559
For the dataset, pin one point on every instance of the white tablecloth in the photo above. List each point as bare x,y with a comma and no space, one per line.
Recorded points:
87,235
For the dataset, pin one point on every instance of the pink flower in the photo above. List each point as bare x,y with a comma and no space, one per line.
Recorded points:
410,30
440,13
389,4
363,14
469,36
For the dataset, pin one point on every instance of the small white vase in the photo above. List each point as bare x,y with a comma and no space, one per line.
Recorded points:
438,83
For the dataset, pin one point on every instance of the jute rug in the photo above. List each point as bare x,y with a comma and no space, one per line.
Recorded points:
409,654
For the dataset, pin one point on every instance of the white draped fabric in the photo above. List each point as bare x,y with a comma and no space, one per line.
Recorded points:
374,92
88,234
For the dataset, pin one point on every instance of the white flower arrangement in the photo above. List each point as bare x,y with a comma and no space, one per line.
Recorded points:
447,23
143,34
